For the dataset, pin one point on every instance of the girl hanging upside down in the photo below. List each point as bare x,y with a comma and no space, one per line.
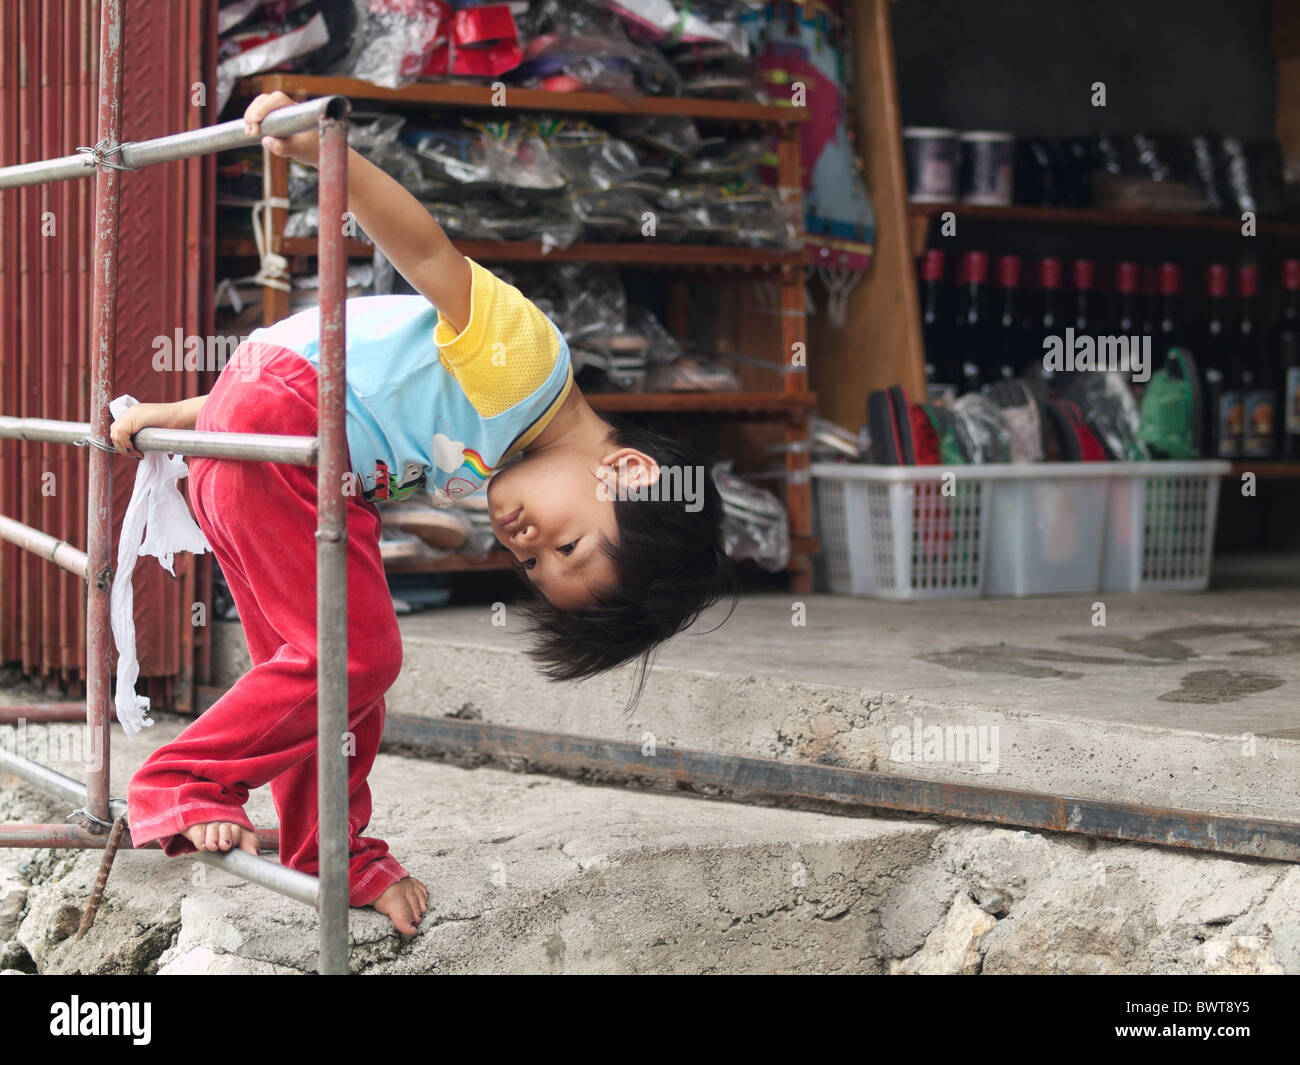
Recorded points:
443,388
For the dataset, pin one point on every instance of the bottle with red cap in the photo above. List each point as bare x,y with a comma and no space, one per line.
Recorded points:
1256,375
940,375
1169,325
1127,319
1008,325
1286,347
1085,276
1219,437
972,333
1049,321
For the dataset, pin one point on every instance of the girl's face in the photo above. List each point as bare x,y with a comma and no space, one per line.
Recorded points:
551,509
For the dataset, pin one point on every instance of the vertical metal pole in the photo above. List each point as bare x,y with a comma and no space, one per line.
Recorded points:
99,519
331,555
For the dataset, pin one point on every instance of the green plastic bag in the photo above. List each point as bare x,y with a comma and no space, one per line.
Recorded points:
1170,416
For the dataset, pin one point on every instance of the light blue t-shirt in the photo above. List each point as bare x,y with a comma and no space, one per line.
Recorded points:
429,407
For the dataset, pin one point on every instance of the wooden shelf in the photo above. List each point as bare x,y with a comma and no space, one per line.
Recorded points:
1108,219
787,333
458,96
496,560
703,256
702,402
1268,469
501,560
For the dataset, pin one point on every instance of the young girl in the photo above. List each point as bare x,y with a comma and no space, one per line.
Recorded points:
443,388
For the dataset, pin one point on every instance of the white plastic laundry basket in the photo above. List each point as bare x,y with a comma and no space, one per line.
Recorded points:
1160,526
902,532
931,532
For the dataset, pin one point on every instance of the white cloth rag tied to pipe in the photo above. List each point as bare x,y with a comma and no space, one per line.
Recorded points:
157,523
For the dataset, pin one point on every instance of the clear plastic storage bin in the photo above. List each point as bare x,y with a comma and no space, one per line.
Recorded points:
1160,526
933,532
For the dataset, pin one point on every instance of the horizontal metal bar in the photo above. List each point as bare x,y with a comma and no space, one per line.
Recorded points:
40,713
278,878
208,139
1245,836
269,874
253,447
60,552
15,834
51,781
32,836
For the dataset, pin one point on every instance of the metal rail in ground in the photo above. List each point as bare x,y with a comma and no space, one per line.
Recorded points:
744,776
108,160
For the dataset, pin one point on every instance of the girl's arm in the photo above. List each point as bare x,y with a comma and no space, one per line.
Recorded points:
401,227
182,414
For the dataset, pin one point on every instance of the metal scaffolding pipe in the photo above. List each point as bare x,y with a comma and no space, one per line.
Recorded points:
269,874
251,447
332,553
109,157
53,782
35,836
42,713
62,836
133,156
103,346
60,552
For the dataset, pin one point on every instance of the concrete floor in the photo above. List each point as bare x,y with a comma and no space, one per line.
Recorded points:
1178,700
1181,700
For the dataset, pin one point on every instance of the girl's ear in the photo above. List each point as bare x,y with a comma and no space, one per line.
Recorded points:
635,468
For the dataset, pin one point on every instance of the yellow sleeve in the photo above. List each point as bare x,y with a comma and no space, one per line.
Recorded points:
506,351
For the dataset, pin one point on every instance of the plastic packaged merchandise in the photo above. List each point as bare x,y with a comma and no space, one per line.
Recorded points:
755,524
693,373
394,42
1111,412
981,429
676,136
596,63
830,442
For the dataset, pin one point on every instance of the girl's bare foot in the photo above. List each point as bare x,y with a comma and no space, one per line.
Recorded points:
221,836
404,903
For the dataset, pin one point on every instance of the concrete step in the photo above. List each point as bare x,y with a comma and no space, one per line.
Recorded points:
1182,701
543,875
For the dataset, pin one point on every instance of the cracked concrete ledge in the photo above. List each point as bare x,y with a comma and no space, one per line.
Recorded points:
837,695
539,874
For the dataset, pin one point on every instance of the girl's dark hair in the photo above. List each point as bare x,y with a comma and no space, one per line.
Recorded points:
671,566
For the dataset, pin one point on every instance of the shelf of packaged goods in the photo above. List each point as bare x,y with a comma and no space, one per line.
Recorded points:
1268,469
800,547
456,96
776,404
1111,219
702,256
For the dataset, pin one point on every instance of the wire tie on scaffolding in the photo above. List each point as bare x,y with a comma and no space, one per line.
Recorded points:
101,878
91,817
100,153
90,441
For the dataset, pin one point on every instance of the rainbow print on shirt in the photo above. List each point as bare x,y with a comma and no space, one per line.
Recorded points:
474,461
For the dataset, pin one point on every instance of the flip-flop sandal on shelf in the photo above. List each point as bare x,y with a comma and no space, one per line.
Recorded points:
891,428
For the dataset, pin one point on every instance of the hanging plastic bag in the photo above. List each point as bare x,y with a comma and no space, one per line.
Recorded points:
158,523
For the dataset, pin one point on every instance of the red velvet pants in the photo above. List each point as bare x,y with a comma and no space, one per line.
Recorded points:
260,519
